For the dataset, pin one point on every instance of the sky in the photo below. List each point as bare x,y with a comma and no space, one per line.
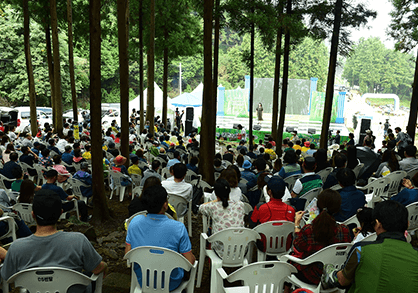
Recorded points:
379,25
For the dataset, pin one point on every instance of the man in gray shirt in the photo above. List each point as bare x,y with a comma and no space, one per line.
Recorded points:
49,247
153,172
410,162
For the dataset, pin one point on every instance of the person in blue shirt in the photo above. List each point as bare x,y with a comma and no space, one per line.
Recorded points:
52,146
86,178
351,198
175,160
409,194
192,165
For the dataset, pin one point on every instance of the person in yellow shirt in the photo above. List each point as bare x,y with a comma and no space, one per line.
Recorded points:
306,146
134,169
269,150
297,146
87,153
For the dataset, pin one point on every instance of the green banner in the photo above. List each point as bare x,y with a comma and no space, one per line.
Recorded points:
317,107
236,102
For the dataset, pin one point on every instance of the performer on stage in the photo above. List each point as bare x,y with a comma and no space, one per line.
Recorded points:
260,112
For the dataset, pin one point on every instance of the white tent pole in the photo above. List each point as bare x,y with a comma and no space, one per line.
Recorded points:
180,79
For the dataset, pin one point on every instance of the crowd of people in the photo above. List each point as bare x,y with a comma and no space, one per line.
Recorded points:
253,174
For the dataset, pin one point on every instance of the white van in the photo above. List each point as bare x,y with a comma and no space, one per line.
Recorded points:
23,118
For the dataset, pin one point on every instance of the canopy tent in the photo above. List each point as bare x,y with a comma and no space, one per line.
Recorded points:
186,100
198,89
158,101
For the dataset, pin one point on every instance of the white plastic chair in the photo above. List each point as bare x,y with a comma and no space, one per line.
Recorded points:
357,169
291,180
11,232
335,254
189,175
371,237
352,220
117,177
412,217
157,263
235,241
375,190
277,236
395,180
182,207
216,175
3,185
53,279
26,168
137,191
165,173
40,173
411,173
266,276
25,213
310,195
142,165
324,173
74,209
76,187
136,179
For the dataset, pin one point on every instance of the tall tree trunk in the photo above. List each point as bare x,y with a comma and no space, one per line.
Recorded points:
329,94
123,35
57,68
276,86
285,81
141,67
50,71
252,80
71,58
150,58
29,69
165,80
215,65
100,210
412,123
207,136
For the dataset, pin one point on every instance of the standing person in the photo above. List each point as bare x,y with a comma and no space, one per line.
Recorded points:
49,247
178,118
401,141
386,126
260,112
337,138
351,139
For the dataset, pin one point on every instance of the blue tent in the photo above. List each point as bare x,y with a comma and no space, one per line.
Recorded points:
186,100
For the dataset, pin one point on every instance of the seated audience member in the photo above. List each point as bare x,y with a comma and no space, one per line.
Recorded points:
7,170
153,229
306,146
229,155
18,174
193,165
323,231
134,168
385,265
63,174
269,150
162,154
86,178
87,153
224,212
389,164
247,174
321,160
370,159
27,191
340,162
137,204
311,150
67,157
45,248
290,166
409,194
112,150
119,165
174,160
365,218
275,209
242,186
51,178
217,163
309,181
29,158
352,160
351,198
153,172
260,167
78,159
410,162
52,146
140,154
178,186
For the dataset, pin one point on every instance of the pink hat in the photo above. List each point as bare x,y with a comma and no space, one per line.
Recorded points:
307,144
120,160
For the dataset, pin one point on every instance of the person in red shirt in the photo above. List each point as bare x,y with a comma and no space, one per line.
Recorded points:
275,209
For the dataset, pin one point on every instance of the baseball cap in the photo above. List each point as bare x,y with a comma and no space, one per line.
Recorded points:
276,184
47,206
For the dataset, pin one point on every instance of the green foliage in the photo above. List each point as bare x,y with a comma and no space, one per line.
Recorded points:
404,24
375,68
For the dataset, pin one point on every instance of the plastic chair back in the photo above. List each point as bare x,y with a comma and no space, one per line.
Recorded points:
291,180
395,180
156,266
412,216
25,212
2,179
357,169
352,220
311,194
371,237
377,188
11,232
76,187
235,241
324,173
52,279
165,173
277,235
411,173
268,277
189,175
179,204
136,179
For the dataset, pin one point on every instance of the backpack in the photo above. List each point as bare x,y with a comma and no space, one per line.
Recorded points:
407,138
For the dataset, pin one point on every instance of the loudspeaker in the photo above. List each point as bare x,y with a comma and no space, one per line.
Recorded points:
189,127
257,127
311,130
290,129
189,113
365,125
235,126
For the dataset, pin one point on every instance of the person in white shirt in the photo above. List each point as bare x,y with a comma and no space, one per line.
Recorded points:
178,186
